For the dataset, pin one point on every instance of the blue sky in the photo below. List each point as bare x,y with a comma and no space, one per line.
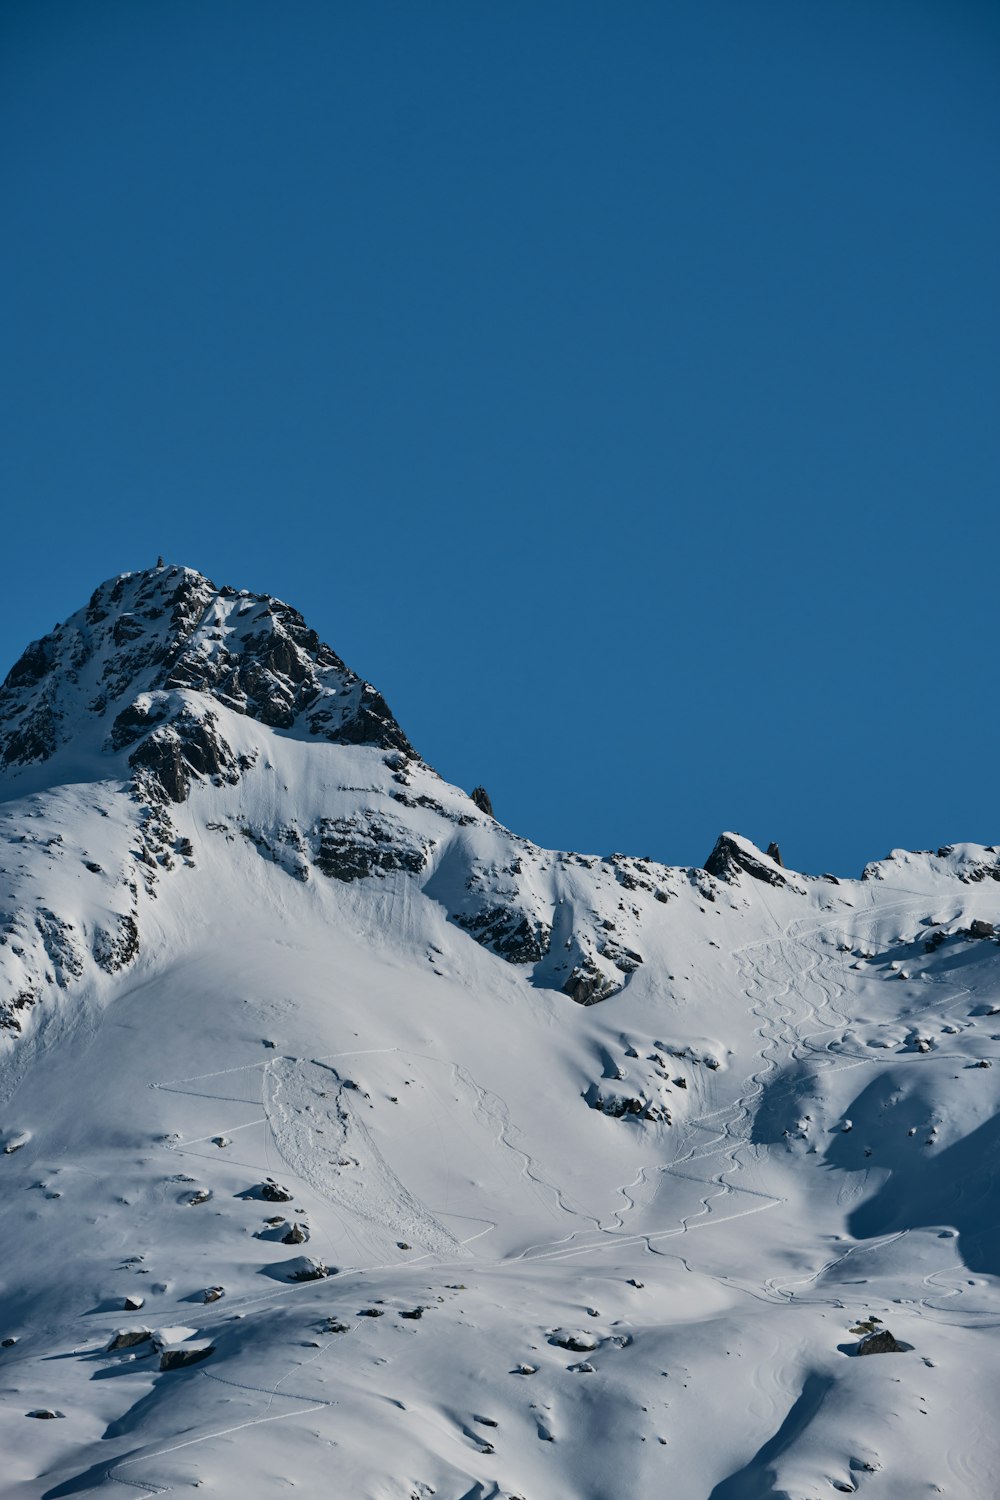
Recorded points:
614,384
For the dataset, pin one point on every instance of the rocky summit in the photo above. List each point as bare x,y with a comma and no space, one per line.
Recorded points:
354,1143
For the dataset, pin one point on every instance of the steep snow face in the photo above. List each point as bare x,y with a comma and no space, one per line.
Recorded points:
350,1140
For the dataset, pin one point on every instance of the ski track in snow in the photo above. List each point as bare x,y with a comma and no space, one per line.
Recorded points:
771,981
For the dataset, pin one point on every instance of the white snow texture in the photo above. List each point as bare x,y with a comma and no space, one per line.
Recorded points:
398,1158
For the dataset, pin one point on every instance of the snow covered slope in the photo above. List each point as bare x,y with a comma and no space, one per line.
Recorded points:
353,1144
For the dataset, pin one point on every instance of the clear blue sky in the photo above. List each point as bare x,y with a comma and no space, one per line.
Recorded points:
614,384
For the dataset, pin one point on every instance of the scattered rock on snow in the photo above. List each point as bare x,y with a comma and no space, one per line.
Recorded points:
579,1340
44,1413
134,1303
177,1357
213,1293
272,1192
881,1342
297,1235
304,1268
166,1338
125,1338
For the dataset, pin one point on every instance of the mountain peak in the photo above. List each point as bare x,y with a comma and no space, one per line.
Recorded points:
154,648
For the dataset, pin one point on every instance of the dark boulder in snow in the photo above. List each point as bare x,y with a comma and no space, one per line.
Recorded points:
44,1413
272,1192
981,929
578,1340
126,1338
180,1356
304,1268
881,1342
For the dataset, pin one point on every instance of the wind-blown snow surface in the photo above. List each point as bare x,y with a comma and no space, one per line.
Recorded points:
301,1003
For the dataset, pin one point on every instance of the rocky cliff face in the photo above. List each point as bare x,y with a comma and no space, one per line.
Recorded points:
171,717
124,669
165,685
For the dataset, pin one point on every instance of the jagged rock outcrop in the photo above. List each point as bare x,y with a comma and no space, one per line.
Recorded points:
371,844
881,1342
734,856
508,932
150,646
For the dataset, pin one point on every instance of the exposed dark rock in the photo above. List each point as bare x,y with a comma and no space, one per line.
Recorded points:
135,721
773,852
304,1268
170,629
729,859
187,747
508,932
127,1338
371,723
44,1413
588,984
413,1312
62,946
297,1235
31,666
578,1341
114,950
271,1192
134,1303
624,959
881,1342
980,929
34,739
181,1357
213,1293
370,844
481,798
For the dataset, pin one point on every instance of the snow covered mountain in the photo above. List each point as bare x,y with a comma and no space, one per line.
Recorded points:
354,1144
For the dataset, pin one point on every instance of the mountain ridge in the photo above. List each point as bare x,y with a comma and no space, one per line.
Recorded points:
453,1165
